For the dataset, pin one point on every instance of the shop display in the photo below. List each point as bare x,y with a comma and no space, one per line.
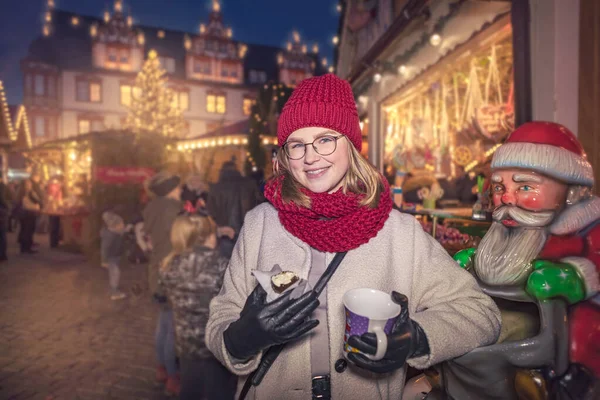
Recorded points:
452,120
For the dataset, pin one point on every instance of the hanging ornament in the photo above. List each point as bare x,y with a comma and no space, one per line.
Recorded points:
462,155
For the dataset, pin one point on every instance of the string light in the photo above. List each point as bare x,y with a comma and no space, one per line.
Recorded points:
377,77
335,40
74,20
435,39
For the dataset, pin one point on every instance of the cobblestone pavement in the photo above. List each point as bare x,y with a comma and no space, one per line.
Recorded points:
61,338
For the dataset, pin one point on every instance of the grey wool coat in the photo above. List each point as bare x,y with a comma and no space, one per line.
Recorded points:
444,299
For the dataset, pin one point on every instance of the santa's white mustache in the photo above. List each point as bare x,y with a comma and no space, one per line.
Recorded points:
524,217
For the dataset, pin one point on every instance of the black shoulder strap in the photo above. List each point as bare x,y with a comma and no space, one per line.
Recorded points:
255,378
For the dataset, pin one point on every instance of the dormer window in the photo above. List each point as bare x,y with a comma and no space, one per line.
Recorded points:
118,57
202,67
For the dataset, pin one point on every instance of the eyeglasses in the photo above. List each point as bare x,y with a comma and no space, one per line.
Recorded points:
325,145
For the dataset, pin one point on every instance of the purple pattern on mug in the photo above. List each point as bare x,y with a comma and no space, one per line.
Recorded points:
358,325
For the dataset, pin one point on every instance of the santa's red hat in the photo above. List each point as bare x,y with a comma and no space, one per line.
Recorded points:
548,148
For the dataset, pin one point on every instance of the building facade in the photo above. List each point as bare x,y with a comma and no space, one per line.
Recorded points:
79,75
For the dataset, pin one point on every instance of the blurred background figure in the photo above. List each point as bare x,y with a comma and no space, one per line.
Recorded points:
229,200
31,200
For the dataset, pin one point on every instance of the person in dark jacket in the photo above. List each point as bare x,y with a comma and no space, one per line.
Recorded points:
31,199
229,200
159,215
191,276
111,249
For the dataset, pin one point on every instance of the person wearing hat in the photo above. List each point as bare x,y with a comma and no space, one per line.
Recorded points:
325,198
545,239
159,215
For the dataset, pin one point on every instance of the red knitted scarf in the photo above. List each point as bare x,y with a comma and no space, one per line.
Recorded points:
335,222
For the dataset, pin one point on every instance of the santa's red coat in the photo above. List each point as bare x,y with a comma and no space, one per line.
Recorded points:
584,318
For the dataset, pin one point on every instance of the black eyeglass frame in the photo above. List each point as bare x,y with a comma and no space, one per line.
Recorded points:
335,138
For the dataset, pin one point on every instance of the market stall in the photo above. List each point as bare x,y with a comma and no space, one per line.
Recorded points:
205,154
446,102
91,173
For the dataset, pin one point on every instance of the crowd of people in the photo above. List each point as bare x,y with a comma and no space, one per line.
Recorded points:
21,205
186,232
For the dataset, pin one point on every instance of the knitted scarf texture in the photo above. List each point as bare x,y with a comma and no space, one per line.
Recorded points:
335,222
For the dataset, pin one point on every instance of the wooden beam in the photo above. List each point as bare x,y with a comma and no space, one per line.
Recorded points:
589,83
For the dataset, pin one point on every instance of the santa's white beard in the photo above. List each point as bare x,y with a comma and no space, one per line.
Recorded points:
504,254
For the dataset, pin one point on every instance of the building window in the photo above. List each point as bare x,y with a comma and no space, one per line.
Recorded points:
40,85
87,125
84,126
257,76
181,100
229,70
216,103
43,126
202,67
118,58
128,92
89,90
168,63
40,89
40,127
247,104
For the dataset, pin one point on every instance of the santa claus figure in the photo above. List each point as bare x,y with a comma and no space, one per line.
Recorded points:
546,231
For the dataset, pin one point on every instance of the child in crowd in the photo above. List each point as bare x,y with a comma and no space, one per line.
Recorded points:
111,247
191,275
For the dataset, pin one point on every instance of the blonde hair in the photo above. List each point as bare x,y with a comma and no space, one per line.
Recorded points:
187,232
361,178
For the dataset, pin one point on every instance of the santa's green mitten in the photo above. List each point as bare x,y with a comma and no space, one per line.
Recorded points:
551,280
464,258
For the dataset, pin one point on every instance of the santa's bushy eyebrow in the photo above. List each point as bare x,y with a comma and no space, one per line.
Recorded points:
526,178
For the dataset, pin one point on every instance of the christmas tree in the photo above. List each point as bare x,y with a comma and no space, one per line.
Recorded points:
152,108
263,121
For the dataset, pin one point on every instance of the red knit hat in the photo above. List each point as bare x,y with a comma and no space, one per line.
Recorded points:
548,148
323,101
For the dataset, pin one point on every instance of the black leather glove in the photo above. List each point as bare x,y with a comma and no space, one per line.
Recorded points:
407,340
263,325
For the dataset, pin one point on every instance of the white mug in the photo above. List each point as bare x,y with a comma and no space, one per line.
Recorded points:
369,310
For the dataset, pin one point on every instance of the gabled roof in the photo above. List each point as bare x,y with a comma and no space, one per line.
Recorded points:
69,46
237,128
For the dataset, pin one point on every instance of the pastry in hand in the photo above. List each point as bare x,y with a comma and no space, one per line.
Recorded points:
283,280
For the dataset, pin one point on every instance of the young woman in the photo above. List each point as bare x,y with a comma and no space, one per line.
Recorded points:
326,198
191,275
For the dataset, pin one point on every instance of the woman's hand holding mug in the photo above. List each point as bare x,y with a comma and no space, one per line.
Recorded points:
404,338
